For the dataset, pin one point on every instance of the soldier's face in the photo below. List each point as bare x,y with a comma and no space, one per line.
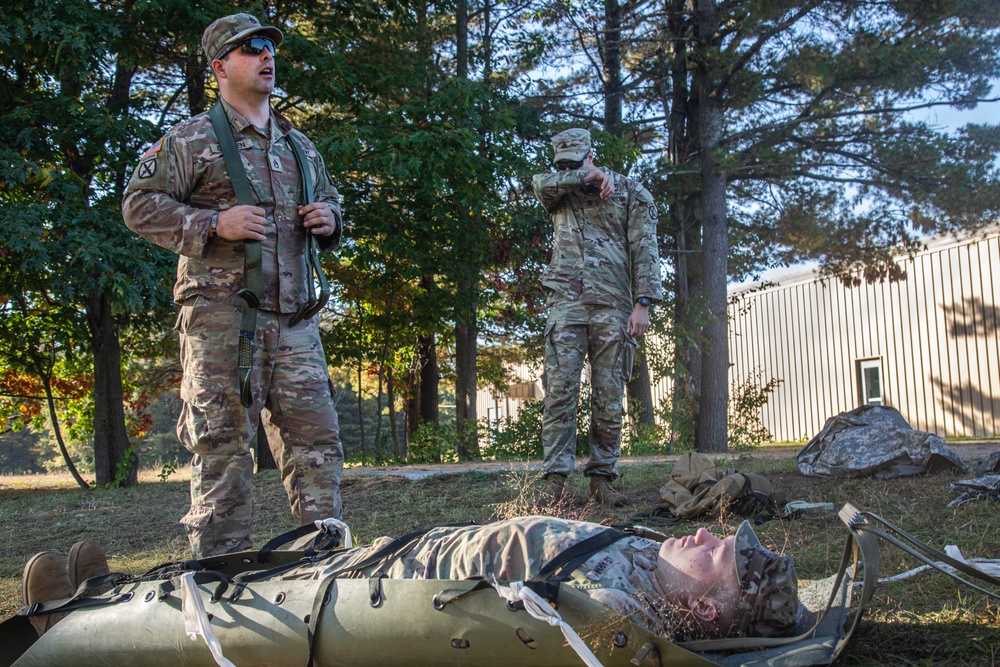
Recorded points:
250,74
693,565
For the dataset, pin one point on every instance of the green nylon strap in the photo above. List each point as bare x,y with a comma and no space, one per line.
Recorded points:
252,275
314,270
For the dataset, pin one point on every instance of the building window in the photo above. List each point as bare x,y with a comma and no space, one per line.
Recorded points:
870,371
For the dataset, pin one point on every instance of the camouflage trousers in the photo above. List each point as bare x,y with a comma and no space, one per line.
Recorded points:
574,334
293,399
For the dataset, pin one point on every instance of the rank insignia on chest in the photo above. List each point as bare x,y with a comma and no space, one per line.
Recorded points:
276,163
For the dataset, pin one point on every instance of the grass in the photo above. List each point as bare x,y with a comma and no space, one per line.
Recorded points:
926,620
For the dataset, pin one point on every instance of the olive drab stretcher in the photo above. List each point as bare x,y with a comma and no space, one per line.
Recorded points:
235,610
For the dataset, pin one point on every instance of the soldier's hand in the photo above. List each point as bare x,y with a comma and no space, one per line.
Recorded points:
318,218
241,223
595,175
638,321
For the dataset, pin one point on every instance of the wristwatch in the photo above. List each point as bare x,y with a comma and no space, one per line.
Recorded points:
644,301
212,232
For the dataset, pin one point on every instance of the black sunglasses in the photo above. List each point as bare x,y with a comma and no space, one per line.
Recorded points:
252,47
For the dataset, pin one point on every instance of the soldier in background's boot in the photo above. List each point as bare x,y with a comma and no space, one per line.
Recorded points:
602,491
554,489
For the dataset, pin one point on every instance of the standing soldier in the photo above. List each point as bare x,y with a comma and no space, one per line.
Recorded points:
242,198
604,275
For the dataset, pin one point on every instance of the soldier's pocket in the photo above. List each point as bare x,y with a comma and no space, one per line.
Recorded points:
207,423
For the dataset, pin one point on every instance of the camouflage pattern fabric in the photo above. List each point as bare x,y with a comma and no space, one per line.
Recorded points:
291,385
182,179
573,334
769,602
619,576
604,257
232,29
874,440
604,251
179,182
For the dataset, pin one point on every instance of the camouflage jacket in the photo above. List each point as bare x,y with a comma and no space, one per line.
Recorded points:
182,179
604,251
619,576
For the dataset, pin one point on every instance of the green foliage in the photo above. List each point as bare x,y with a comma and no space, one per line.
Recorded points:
746,428
518,437
678,421
125,468
168,469
431,443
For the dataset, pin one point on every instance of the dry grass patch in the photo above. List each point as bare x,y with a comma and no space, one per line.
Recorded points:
926,620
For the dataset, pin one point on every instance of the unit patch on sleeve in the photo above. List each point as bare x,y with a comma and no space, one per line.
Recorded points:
146,169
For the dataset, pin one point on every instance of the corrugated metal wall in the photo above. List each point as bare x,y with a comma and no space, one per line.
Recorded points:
934,334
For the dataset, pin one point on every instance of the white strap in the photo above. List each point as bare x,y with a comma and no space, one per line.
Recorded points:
196,619
538,607
336,524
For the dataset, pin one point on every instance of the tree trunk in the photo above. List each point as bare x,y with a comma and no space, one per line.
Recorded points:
54,419
714,403
430,377
361,413
194,74
466,298
390,390
111,444
465,382
612,51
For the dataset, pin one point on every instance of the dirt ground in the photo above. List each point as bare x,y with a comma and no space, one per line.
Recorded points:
970,451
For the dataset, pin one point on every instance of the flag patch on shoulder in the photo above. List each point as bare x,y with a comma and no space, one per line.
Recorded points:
155,148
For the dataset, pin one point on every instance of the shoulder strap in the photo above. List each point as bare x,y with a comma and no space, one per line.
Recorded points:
314,269
252,275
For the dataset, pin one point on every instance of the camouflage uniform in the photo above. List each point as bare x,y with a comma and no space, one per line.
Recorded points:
604,257
620,576
179,182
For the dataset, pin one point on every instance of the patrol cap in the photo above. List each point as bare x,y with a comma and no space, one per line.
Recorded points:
572,144
231,30
769,599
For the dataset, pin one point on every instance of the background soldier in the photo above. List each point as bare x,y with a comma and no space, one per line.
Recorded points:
604,275
181,197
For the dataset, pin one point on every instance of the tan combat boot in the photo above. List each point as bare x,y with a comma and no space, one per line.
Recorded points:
44,580
602,491
554,489
86,560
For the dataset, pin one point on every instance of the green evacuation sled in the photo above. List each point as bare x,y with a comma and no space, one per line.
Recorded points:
237,610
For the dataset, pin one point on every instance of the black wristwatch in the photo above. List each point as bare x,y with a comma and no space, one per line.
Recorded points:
644,301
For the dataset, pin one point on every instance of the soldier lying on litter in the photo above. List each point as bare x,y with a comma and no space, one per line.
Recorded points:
696,586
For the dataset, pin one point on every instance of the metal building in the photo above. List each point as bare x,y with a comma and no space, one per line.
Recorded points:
927,345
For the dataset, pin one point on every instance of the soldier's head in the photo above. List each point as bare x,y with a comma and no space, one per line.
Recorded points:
571,148
731,586
241,52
